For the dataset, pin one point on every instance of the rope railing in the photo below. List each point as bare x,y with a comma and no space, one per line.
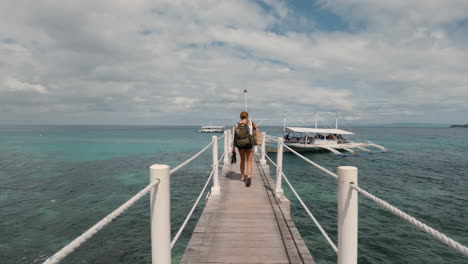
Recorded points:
77,242
330,242
311,162
182,227
412,220
180,166
429,230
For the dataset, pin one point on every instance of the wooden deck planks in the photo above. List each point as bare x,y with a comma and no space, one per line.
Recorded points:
245,225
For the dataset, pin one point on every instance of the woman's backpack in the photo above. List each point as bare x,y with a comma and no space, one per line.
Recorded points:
242,137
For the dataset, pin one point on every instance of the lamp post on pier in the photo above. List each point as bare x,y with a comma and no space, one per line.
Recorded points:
245,99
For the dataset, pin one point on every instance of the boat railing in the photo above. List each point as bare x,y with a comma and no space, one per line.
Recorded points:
159,189
316,141
347,192
325,141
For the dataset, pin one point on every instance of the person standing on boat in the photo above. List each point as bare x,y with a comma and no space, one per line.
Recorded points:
244,141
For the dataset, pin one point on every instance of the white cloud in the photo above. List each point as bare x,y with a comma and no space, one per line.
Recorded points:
184,102
143,58
138,99
16,85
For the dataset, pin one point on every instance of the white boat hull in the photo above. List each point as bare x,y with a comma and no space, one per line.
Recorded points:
344,149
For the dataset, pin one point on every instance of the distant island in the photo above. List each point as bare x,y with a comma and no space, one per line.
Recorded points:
466,126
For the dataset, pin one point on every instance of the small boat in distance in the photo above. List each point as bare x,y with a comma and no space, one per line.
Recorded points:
211,129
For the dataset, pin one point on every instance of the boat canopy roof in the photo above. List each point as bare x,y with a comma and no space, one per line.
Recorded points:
318,130
212,127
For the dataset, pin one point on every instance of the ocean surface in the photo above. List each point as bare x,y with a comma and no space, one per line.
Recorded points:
57,181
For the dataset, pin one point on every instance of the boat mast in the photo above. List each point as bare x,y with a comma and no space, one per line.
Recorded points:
315,120
284,122
336,120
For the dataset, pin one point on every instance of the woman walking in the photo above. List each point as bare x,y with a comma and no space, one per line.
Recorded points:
244,141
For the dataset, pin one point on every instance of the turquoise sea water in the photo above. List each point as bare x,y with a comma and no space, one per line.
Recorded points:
57,181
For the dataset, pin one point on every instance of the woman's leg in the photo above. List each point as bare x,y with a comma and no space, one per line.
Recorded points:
242,163
249,157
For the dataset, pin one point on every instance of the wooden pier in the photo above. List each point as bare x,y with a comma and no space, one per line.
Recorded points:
246,224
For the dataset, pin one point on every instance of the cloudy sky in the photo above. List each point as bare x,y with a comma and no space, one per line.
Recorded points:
187,62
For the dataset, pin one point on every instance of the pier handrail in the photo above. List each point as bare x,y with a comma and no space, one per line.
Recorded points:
189,215
330,242
412,220
311,162
193,157
392,209
77,242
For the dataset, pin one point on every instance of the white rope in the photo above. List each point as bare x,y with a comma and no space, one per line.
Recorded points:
193,157
77,242
189,160
176,237
431,231
57,257
311,162
330,242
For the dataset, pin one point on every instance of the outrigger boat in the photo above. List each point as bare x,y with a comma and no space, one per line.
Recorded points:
335,140
312,139
211,129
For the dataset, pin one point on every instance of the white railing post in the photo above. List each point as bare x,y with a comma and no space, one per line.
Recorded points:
215,188
279,169
233,134
262,157
160,204
347,215
229,143
226,147
231,140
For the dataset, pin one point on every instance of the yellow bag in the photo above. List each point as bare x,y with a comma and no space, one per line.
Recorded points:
258,140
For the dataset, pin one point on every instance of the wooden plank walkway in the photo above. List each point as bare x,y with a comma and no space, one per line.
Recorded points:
246,225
